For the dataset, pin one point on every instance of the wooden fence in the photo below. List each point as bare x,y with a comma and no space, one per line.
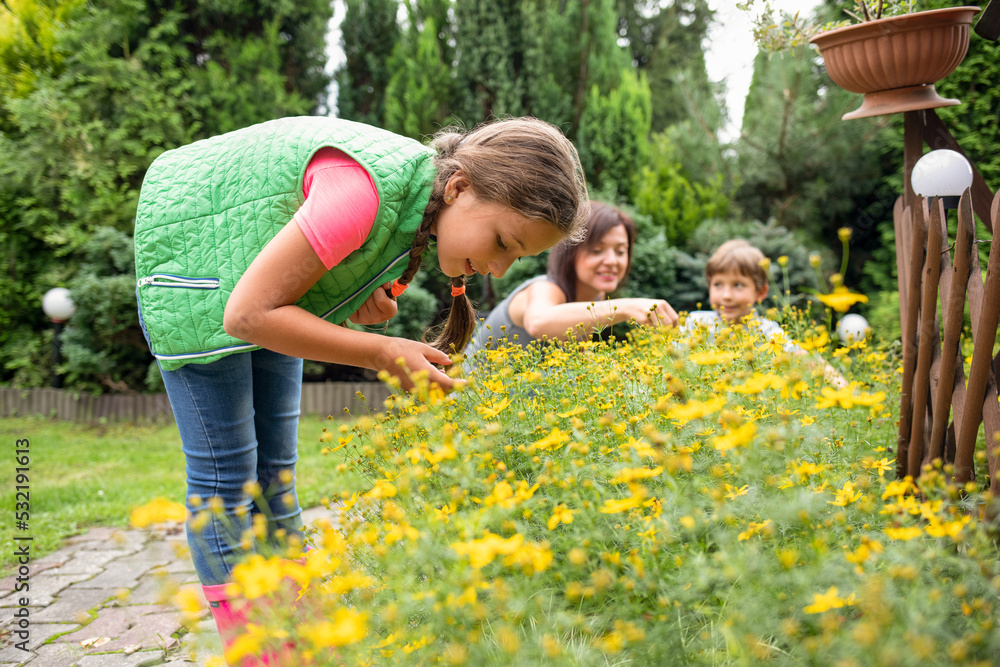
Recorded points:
940,409
322,398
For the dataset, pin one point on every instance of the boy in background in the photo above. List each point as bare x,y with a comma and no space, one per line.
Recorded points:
737,281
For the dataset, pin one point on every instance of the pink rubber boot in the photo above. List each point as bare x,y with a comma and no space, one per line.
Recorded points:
230,616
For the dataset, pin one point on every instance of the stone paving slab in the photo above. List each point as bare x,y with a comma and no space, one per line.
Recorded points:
72,605
38,634
119,575
88,561
42,589
121,660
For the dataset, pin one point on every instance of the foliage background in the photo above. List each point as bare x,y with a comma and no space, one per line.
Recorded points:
91,93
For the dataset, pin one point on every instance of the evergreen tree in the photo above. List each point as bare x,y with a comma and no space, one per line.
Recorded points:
666,41
489,59
799,162
368,36
614,134
417,97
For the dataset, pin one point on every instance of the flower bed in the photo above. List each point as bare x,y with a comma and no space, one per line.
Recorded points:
655,502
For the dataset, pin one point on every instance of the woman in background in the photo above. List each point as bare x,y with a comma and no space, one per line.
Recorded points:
572,298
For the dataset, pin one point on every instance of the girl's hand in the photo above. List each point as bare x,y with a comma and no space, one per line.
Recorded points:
655,312
402,357
377,308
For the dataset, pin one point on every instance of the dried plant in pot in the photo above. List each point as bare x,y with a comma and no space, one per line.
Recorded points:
893,60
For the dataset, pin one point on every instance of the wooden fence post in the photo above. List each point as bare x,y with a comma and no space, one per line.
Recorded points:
917,239
951,375
928,313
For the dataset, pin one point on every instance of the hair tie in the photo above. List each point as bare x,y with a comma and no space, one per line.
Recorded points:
397,288
457,291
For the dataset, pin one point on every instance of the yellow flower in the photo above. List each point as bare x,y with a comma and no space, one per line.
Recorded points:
712,357
694,409
533,558
246,644
616,506
807,468
846,398
845,495
492,411
817,342
904,533
829,600
382,489
841,299
758,383
882,465
258,576
938,528
628,475
346,627
189,602
561,514
844,233
553,439
898,488
339,585
735,438
783,260
496,386
753,528
481,552
157,510
733,493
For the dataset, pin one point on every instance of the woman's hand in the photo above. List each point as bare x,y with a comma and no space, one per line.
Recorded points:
648,312
402,358
377,308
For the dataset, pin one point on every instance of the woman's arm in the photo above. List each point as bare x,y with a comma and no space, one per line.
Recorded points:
544,311
261,310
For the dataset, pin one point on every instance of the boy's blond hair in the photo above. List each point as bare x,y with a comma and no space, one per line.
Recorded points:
739,256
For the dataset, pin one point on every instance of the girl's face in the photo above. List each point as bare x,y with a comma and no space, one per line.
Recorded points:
733,295
474,236
601,266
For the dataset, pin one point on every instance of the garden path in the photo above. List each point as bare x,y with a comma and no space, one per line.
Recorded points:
96,602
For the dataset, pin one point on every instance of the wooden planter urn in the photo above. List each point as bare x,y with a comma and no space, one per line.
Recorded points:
895,61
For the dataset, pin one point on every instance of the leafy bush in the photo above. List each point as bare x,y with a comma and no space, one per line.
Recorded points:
676,204
661,501
103,344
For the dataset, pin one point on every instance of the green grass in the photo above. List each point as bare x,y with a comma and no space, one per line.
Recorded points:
82,476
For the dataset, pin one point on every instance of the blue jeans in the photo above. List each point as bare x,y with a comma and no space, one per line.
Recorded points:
238,420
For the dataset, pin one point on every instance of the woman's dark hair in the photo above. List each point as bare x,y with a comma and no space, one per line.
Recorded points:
603,217
524,164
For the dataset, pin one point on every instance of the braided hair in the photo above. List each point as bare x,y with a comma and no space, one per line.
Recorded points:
523,164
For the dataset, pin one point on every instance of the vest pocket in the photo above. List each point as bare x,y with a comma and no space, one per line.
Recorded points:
169,280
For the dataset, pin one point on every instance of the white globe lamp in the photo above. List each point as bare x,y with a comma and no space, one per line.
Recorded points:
852,328
57,304
942,173
58,307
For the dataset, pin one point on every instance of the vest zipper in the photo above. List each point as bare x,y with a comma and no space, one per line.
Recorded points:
168,280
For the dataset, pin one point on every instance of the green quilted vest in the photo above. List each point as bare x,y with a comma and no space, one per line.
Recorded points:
207,209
